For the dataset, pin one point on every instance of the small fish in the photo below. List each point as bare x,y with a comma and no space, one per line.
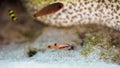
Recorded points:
12,15
61,46
52,8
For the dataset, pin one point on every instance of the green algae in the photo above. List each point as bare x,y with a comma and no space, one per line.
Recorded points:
101,45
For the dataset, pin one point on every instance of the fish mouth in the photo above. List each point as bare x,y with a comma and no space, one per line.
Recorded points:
49,9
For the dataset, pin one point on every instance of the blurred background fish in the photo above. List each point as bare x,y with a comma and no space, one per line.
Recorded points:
12,15
15,23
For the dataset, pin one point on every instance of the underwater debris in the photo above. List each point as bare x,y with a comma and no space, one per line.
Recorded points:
32,53
32,50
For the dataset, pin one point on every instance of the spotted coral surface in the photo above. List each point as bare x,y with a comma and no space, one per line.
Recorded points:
77,12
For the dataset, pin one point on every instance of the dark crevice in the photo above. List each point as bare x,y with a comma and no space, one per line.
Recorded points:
31,53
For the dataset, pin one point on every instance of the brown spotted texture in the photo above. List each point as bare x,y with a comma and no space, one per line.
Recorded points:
74,12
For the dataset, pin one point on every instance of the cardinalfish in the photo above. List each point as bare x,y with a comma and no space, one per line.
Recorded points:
12,15
61,46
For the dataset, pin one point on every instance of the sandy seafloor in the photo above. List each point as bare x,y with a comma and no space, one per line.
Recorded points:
16,55
17,39
51,59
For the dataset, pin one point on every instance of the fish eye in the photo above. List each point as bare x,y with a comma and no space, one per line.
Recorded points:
72,47
55,44
59,6
31,53
49,46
